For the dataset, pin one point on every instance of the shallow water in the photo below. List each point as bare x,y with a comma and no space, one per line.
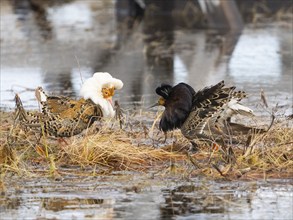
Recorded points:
74,47
130,196
59,48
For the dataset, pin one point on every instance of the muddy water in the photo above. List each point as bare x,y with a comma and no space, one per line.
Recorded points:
60,46
131,196
63,44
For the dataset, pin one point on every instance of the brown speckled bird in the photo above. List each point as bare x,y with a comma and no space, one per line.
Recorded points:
65,117
203,115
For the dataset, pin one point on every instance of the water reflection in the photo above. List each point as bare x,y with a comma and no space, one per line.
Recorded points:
58,45
192,200
59,204
238,200
100,197
31,14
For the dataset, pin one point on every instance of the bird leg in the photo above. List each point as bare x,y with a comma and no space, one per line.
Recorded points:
193,147
165,134
231,155
118,113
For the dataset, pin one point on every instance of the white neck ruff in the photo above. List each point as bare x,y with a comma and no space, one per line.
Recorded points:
92,89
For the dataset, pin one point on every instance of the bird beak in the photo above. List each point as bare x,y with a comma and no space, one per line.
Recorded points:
110,100
161,102
154,105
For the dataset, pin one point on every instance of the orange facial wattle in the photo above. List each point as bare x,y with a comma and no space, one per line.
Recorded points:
108,93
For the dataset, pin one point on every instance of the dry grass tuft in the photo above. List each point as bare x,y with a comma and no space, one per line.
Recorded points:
114,150
141,147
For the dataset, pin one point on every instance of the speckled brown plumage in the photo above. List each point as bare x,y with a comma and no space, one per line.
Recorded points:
60,116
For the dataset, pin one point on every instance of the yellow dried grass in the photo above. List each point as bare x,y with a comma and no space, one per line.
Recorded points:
115,150
269,156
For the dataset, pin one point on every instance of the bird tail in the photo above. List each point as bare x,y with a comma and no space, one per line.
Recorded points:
239,128
243,129
20,111
28,119
240,109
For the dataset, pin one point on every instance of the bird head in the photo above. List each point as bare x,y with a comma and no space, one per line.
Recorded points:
161,102
177,101
100,88
163,91
108,93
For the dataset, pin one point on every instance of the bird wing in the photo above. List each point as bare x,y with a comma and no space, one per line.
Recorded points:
74,120
53,104
237,107
58,105
195,125
231,108
214,96
68,123
212,108
207,104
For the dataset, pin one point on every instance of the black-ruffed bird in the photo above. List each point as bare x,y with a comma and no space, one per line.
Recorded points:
65,117
202,115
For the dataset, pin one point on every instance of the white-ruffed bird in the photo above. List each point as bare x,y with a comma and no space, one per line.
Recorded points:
65,117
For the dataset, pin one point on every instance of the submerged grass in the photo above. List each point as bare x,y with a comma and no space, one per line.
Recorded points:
141,147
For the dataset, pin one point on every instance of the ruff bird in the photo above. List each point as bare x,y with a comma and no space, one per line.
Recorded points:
61,116
202,115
